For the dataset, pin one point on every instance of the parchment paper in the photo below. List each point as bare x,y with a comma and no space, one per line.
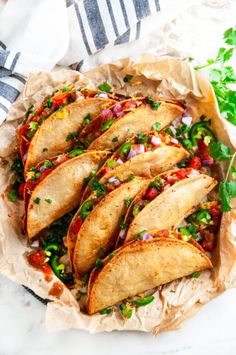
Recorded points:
173,302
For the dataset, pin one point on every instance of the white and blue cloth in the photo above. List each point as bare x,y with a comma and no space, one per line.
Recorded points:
38,35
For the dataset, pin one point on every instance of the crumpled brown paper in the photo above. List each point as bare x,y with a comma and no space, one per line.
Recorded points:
173,302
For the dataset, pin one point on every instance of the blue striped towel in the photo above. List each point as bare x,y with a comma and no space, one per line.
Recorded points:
36,36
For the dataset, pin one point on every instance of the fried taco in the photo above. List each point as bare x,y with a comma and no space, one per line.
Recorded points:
142,265
169,198
145,155
54,187
53,127
121,121
95,226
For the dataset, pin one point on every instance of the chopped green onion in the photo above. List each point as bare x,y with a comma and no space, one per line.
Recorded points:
49,103
128,201
156,126
111,163
115,139
66,89
196,274
86,208
125,148
106,311
45,149
47,164
87,119
48,200
98,263
72,135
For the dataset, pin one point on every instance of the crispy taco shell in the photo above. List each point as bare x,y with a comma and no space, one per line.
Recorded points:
98,232
62,188
140,119
51,137
169,209
140,266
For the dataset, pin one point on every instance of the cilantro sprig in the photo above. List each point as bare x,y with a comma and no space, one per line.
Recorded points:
227,188
222,76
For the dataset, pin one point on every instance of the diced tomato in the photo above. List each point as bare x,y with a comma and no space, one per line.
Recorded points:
46,268
209,240
37,259
21,189
105,170
147,149
163,233
111,187
61,102
56,289
216,213
195,163
202,145
182,173
151,193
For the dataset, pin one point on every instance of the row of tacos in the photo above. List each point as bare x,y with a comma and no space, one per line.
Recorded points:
135,172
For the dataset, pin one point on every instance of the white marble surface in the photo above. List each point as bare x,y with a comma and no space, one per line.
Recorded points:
22,331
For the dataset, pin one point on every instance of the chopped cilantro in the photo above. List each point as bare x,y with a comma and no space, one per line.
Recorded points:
48,200
105,87
101,250
156,126
127,78
98,263
45,149
196,275
115,139
49,103
12,196
131,177
123,226
32,168
66,89
72,135
37,200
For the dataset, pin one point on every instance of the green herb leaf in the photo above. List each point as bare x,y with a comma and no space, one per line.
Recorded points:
106,311
115,139
128,201
230,37
98,263
156,126
144,301
127,78
126,312
47,164
66,89
12,196
196,274
72,135
48,200
219,151
49,103
37,200
105,87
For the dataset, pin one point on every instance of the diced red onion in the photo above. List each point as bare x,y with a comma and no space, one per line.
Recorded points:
187,120
102,95
119,161
117,108
42,169
25,157
107,113
122,234
207,161
113,180
136,149
119,114
35,244
146,236
186,113
60,158
156,141
193,172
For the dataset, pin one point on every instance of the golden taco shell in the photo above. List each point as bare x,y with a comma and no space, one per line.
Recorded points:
60,191
140,266
99,230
